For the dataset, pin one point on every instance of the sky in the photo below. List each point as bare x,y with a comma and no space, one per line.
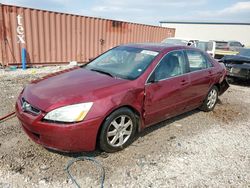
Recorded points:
148,11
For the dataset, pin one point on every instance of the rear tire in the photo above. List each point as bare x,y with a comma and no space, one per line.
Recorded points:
118,130
211,100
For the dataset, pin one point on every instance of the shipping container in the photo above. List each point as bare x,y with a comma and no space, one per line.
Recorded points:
55,38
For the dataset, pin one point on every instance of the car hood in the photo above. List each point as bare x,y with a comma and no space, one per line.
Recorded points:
70,87
240,66
237,59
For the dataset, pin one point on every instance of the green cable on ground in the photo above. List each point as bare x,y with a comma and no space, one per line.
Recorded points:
97,163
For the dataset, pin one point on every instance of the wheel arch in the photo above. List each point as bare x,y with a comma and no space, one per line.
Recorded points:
218,86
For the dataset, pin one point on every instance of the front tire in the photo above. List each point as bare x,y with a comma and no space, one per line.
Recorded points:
211,100
118,130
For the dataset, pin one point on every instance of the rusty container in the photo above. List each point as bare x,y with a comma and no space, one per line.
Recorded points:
56,38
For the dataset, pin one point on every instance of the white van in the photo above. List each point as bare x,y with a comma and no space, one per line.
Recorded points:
207,46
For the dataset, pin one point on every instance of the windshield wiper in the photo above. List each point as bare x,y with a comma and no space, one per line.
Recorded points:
103,72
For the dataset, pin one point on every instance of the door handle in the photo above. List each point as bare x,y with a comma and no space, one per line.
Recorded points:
210,74
184,82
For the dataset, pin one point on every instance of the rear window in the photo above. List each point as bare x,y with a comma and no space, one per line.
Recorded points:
221,44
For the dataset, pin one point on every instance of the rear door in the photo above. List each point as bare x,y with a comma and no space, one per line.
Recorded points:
202,74
166,88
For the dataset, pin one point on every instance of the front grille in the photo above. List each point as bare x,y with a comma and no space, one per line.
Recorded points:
27,107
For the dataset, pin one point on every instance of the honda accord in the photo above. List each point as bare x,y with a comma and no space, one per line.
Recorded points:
106,102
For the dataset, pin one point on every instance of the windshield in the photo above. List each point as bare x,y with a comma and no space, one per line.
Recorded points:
123,62
244,52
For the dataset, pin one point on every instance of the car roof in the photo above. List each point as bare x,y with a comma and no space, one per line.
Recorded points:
159,47
176,38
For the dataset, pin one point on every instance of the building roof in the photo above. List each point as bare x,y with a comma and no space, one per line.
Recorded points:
206,23
155,46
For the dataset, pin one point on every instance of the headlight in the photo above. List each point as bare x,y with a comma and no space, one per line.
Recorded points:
71,113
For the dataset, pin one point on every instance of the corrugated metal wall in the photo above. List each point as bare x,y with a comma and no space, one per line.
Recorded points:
53,38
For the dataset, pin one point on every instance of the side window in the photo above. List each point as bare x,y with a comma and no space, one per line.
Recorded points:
197,61
235,44
173,64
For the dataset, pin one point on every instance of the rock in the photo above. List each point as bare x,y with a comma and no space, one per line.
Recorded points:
128,174
43,181
172,138
178,125
27,179
44,167
18,169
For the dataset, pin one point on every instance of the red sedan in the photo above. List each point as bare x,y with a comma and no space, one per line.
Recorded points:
118,94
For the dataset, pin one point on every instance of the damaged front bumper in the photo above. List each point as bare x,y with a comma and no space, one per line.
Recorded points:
75,137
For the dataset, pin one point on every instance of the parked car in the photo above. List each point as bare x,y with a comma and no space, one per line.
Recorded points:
222,48
238,66
117,95
221,45
229,45
235,45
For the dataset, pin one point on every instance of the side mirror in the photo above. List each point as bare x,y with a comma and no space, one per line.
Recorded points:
243,45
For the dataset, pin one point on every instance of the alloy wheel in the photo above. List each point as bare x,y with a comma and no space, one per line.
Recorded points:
212,97
119,130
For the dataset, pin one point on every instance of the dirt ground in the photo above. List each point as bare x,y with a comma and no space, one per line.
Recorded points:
196,149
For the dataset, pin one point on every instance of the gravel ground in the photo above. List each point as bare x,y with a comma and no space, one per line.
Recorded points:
196,149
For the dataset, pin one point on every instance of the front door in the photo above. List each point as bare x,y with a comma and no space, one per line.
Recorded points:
166,90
